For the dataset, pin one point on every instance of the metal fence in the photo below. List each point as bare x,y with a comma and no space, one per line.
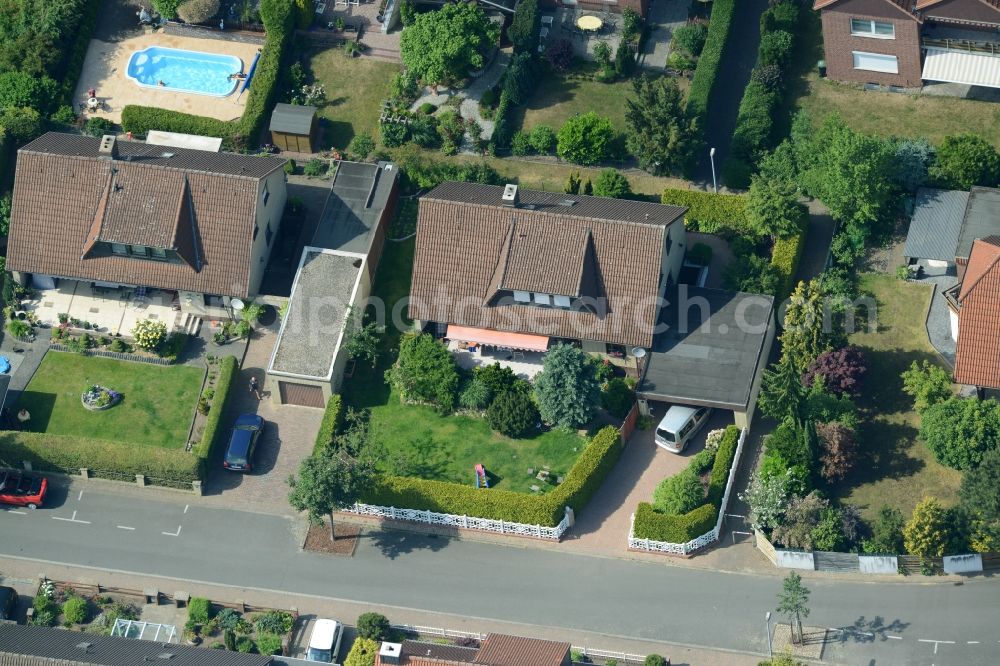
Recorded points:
121,356
463,522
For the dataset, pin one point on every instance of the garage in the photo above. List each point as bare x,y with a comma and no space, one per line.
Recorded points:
301,394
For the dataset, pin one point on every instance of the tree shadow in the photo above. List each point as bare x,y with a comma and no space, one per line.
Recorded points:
395,542
40,406
869,631
883,387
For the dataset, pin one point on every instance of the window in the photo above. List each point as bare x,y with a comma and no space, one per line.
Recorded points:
118,248
871,28
522,297
138,250
542,299
268,234
561,301
876,62
267,195
158,253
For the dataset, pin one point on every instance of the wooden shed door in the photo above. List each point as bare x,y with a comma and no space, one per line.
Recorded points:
300,394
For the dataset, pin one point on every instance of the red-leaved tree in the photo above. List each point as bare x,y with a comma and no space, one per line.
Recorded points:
841,369
838,450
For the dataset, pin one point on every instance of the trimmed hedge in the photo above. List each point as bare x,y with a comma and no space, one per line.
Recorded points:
210,436
278,17
651,524
575,491
707,69
710,213
785,257
104,459
330,425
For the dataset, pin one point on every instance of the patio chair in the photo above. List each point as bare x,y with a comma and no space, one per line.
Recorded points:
547,20
543,33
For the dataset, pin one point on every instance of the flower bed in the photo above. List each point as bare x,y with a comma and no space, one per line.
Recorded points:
97,398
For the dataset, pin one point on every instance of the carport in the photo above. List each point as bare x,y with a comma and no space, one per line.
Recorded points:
710,351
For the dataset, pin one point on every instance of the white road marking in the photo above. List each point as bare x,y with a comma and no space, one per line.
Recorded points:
177,533
186,507
18,513
936,643
72,520
124,527
895,638
79,497
972,642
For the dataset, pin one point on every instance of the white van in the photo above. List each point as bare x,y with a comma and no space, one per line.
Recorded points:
679,425
324,642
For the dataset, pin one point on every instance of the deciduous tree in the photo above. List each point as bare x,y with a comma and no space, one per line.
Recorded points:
773,208
794,602
838,450
927,534
959,431
927,383
841,370
328,482
965,160
444,45
659,131
425,371
585,139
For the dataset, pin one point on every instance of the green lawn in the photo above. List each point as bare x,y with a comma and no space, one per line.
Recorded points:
439,447
895,468
355,88
156,410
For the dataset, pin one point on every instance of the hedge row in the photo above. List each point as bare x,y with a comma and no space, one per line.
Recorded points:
464,500
710,213
211,436
60,453
330,425
76,56
707,69
785,257
279,22
651,524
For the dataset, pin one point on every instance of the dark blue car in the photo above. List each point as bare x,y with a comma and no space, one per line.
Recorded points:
242,443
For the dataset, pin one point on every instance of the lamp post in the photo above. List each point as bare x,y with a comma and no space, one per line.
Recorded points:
637,353
767,620
711,158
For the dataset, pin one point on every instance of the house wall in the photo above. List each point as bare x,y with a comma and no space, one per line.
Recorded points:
267,213
743,419
674,259
295,142
840,44
965,10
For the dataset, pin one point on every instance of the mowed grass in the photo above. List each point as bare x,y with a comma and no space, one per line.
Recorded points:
560,96
156,409
445,447
895,468
355,88
896,114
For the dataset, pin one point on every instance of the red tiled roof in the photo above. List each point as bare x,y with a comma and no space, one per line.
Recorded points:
67,197
977,357
905,5
923,4
505,650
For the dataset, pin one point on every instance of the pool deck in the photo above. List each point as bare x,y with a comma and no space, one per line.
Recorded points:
107,62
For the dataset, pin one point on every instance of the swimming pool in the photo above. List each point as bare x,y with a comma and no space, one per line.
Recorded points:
184,71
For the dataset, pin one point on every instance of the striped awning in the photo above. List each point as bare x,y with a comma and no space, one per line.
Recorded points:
485,336
973,69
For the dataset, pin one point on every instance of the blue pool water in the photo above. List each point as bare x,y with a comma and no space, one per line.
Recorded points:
184,71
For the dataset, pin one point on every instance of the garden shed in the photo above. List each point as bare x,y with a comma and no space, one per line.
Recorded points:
293,127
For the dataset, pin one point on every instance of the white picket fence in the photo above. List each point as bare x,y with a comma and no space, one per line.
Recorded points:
463,522
704,540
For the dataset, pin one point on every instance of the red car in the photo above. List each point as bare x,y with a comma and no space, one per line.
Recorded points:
22,489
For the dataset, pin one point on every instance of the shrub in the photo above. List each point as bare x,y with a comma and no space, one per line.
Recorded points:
966,160
268,644
651,524
330,425
373,626
18,328
700,254
244,644
199,610
98,126
767,76
723,462
199,11
681,61
425,371
520,144
958,431
710,213
289,167
775,48
585,139
424,132
543,139
274,622
691,37
617,398
780,16
679,493
525,26
361,146
75,610
655,660
841,369
785,257
611,183
705,74
513,413
362,653
212,434
315,168
559,53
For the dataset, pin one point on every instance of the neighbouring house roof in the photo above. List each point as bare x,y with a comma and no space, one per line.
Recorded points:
471,250
505,650
977,357
905,5
68,196
22,645
982,218
709,348
357,199
924,4
421,652
936,224
292,118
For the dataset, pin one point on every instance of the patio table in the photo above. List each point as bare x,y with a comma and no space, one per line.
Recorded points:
589,23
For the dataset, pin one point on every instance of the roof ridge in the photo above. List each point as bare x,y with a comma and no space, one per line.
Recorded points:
982,274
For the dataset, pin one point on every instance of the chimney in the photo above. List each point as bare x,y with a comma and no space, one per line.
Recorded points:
109,146
510,197
390,653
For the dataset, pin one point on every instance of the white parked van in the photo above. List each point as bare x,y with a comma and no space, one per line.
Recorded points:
324,642
679,425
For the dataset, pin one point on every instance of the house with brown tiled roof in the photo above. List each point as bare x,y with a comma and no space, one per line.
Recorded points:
126,216
903,43
503,273
975,303
496,650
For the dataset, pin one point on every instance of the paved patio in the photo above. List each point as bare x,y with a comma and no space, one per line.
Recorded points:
564,27
525,364
110,310
939,317
664,17
363,15
105,66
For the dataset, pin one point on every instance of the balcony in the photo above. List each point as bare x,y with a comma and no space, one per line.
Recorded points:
949,38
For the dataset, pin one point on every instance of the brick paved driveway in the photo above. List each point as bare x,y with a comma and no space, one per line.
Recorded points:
288,437
602,526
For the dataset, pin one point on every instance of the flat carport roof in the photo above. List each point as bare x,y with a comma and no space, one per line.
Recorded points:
708,347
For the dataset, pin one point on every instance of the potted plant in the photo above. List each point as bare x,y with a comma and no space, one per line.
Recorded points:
220,338
339,24
353,48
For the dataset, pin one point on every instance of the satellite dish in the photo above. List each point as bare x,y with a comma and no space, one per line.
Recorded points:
638,352
236,304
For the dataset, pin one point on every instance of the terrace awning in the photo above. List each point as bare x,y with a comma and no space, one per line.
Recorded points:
957,67
485,336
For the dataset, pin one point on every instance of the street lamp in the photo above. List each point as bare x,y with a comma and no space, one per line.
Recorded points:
711,157
637,353
767,620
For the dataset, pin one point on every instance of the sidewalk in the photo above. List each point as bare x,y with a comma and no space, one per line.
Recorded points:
23,575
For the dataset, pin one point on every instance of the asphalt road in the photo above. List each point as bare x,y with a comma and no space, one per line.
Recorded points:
883,623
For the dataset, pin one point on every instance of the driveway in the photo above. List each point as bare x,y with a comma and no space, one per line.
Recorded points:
604,523
288,438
